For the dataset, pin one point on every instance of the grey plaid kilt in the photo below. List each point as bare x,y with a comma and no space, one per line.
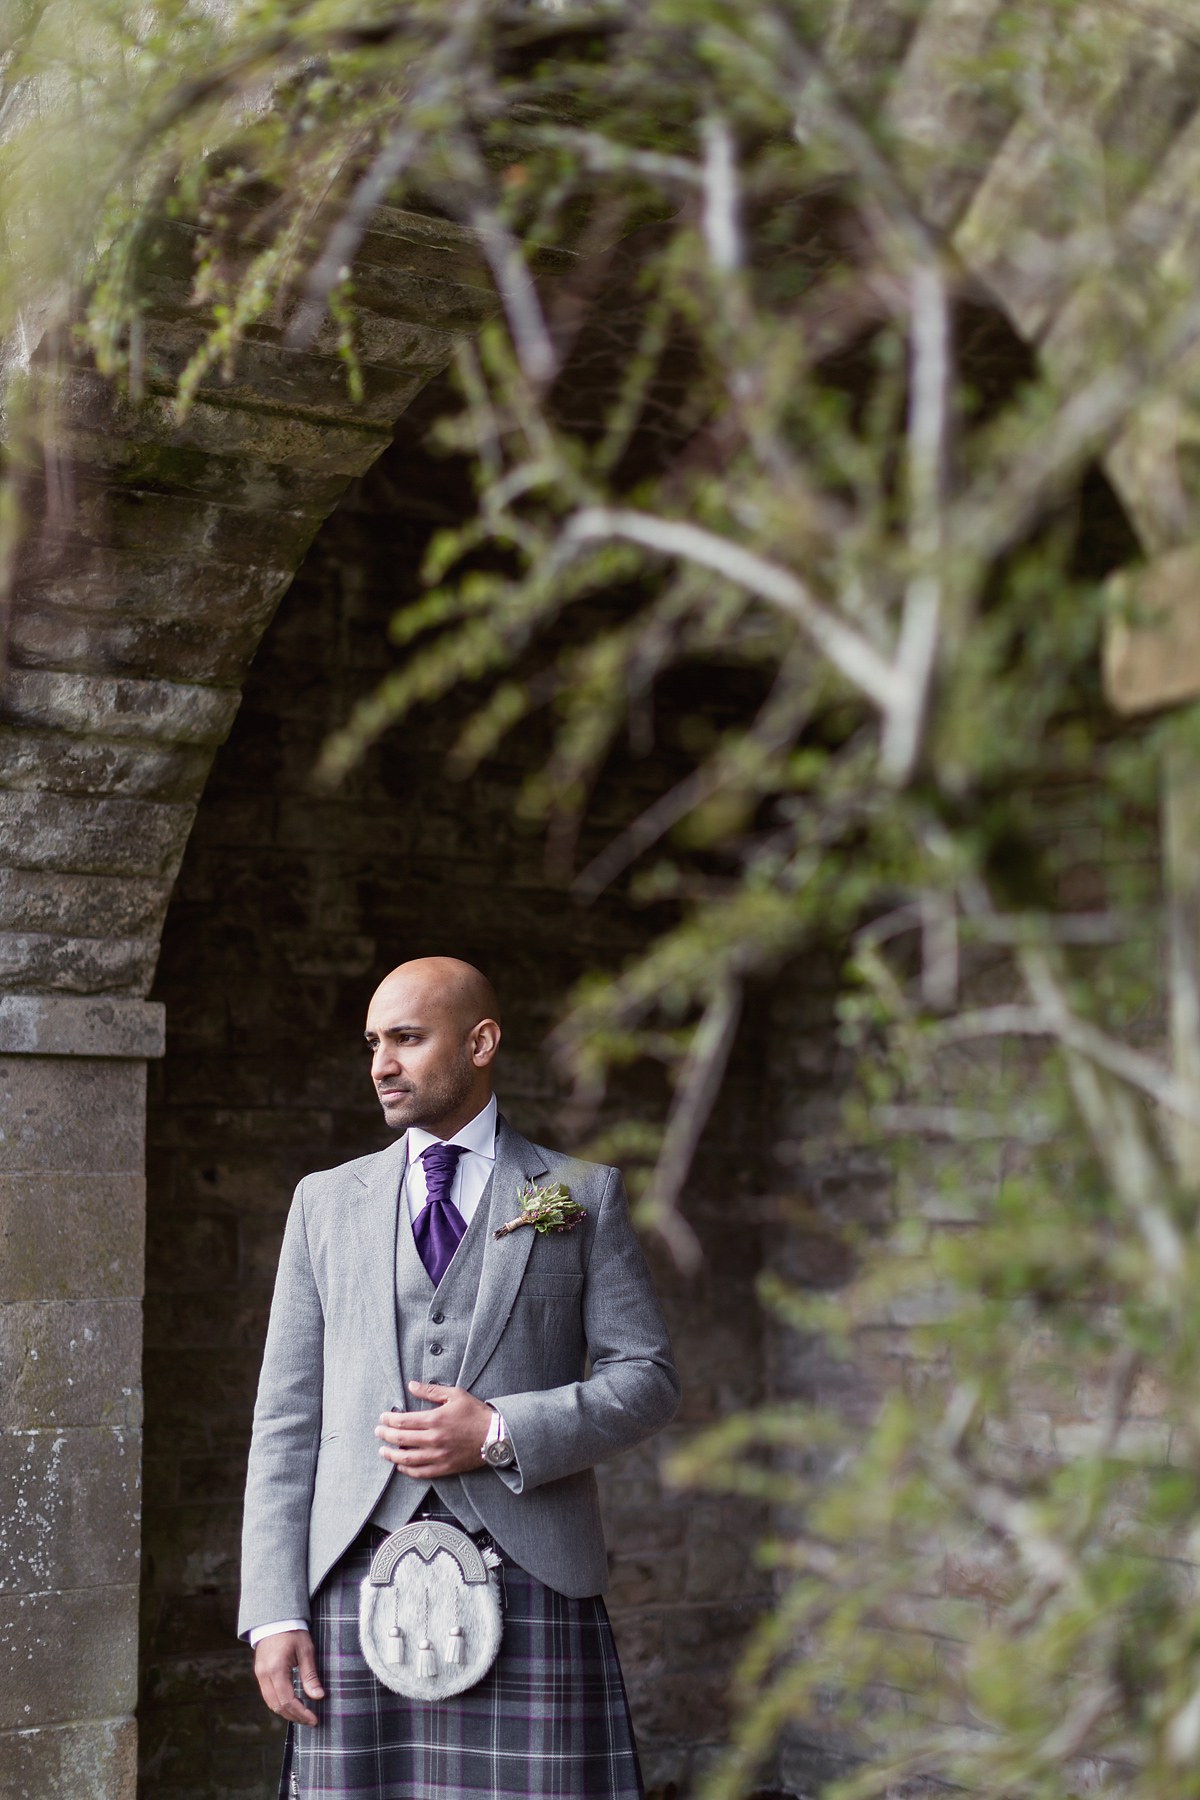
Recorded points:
549,1720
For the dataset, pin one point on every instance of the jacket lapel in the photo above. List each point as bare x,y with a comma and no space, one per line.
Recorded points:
372,1219
504,1259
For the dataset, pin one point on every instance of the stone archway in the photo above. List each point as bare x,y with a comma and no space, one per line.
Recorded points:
286,912
161,554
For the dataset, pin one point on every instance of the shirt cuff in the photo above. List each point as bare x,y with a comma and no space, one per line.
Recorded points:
261,1631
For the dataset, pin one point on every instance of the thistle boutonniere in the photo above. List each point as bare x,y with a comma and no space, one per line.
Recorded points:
546,1209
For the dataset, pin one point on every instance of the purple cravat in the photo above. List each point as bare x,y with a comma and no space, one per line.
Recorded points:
439,1226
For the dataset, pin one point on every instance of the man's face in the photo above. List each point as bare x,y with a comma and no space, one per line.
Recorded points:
422,1055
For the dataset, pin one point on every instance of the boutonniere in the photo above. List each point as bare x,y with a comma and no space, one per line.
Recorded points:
546,1209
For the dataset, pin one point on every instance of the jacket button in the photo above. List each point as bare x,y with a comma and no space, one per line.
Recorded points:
435,1349
437,1318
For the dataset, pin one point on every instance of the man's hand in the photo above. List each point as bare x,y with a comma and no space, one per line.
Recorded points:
274,1659
447,1441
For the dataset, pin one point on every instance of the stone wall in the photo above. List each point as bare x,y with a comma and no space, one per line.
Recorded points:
289,907
72,1200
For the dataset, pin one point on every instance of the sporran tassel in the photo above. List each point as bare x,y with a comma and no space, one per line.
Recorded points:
393,1649
426,1660
456,1645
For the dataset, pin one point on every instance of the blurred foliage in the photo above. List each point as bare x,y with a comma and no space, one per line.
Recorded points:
812,456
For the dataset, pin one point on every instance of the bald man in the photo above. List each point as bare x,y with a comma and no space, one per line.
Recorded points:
421,1364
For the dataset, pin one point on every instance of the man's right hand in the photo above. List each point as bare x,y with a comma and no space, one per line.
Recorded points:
274,1659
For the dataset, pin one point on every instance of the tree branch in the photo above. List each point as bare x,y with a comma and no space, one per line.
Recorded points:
1075,1034
695,1097
929,404
847,649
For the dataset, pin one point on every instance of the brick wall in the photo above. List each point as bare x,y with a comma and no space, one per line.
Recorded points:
288,909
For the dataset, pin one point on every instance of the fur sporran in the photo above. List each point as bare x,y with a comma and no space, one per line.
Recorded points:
429,1616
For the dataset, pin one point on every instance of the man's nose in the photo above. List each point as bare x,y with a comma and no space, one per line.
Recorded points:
384,1062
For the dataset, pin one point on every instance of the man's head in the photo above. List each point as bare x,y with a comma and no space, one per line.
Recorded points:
433,1028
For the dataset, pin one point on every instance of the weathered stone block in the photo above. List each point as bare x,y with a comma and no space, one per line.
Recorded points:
82,905
54,761
77,965
169,711
90,404
70,1362
314,386
58,576
67,1656
106,837
69,1112
41,1025
183,650
72,1512
95,1759
382,341
183,469
412,241
126,518
71,1236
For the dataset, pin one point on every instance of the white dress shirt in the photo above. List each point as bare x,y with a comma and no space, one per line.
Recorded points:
475,1165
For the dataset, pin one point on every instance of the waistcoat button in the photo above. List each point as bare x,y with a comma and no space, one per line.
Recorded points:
435,1349
437,1318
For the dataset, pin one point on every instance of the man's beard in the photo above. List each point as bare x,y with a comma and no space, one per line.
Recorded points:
434,1100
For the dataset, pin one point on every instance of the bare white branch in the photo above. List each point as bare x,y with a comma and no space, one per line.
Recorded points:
851,653
722,229
1076,1034
606,157
929,403
699,1084
961,1125
522,308
341,246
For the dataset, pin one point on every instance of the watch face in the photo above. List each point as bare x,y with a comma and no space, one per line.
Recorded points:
500,1454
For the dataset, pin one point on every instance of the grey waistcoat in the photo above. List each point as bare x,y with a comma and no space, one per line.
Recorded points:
431,1349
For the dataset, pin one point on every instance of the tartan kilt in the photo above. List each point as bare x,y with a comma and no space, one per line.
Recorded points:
549,1721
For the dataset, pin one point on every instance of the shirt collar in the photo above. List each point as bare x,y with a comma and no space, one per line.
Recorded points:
479,1135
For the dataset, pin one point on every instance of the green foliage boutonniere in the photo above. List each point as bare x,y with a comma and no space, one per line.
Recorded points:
546,1209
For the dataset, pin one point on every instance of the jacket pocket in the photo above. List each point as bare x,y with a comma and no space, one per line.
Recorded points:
549,1285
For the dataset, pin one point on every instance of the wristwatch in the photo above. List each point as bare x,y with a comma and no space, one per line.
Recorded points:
497,1451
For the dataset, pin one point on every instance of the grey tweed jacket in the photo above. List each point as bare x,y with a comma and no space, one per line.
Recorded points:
547,1303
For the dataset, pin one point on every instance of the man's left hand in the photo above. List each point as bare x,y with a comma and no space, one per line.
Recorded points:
445,1441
